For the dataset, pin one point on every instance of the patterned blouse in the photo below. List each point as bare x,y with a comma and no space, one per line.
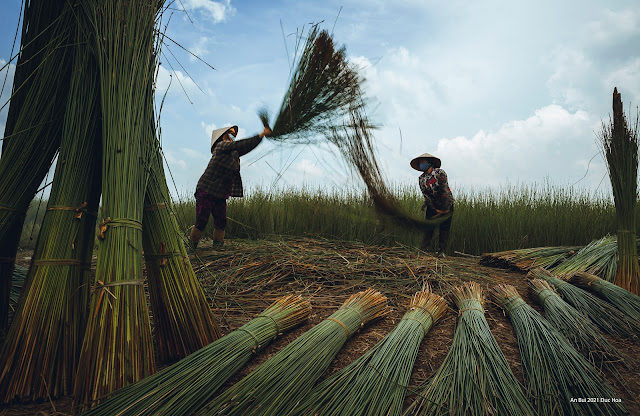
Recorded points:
435,188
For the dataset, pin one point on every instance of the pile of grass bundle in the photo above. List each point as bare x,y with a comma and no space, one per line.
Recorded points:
620,148
475,378
322,89
376,383
40,356
625,301
529,258
277,385
597,257
555,373
189,384
117,349
34,123
607,317
577,328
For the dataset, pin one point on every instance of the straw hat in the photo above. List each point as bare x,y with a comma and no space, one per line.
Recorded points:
218,133
435,162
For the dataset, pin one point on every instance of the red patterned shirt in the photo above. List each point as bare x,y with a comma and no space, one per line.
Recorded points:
435,188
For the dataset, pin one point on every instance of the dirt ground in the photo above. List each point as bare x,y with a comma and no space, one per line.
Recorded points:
243,278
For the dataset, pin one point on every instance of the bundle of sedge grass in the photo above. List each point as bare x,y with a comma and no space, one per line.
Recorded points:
475,378
40,357
277,385
554,371
322,90
17,282
577,328
33,129
597,257
529,258
117,349
607,317
625,301
376,383
189,384
620,147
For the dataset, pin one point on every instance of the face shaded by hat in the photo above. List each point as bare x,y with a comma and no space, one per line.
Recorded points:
425,157
218,133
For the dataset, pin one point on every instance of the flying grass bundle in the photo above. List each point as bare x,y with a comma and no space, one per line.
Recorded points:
375,384
276,386
117,348
597,257
608,318
577,328
555,373
621,298
322,89
187,385
529,258
620,147
39,359
475,378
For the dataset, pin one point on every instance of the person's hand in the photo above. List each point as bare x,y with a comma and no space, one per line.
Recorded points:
266,132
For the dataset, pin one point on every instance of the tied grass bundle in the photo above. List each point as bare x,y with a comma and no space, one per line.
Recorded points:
608,318
40,357
555,373
276,386
621,298
577,328
620,148
597,257
322,89
375,384
529,258
117,348
187,385
19,277
475,378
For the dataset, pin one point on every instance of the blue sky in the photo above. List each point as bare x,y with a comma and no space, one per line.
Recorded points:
503,92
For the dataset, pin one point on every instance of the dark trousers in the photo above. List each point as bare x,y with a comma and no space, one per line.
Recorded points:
207,205
443,236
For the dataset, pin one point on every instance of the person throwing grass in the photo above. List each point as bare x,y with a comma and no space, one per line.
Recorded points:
438,200
220,180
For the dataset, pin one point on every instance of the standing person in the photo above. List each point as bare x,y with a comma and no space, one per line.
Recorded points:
438,200
220,180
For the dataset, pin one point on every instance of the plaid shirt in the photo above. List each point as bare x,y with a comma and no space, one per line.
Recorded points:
435,189
221,178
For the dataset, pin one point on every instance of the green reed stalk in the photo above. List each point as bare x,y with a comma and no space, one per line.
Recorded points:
597,257
625,301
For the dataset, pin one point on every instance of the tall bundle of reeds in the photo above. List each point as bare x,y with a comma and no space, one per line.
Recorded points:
597,257
376,383
17,282
608,318
189,384
40,356
117,348
620,148
625,301
529,258
322,89
577,328
555,373
277,385
475,378
34,123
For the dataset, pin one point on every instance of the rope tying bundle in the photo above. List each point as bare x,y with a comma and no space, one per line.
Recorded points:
103,288
341,324
118,222
81,209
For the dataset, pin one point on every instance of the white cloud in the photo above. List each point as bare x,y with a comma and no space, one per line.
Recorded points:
613,26
627,80
172,160
306,168
571,71
200,49
219,11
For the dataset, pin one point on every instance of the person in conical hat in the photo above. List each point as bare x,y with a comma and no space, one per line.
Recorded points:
438,200
220,180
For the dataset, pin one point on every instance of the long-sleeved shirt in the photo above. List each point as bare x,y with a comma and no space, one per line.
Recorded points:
221,178
435,188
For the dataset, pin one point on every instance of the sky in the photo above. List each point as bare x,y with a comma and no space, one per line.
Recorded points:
502,92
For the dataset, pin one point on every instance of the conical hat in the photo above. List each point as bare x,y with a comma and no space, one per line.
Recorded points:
218,133
435,162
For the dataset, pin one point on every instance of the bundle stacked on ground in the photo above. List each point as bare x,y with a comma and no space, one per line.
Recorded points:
189,384
555,373
597,257
376,383
608,318
577,328
529,258
277,385
475,378
34,123
40,356
117,348
625,301
620,147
